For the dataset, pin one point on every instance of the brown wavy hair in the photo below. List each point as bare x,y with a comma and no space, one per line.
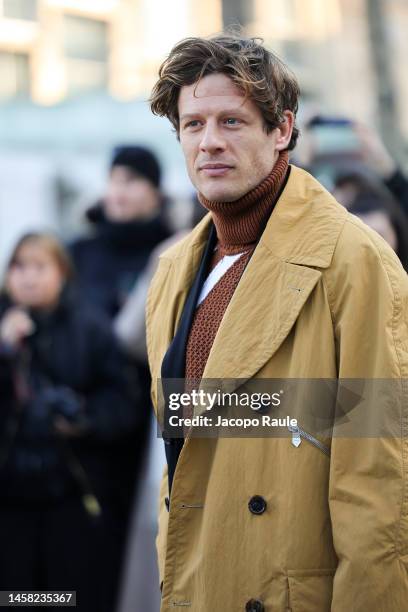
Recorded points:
259,73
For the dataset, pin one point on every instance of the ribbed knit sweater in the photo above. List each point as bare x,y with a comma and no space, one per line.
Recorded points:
239,226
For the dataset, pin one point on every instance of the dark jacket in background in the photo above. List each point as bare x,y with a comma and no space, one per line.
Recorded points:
109,262
53,537
70,364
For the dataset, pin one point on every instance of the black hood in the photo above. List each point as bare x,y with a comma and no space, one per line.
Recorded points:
133,234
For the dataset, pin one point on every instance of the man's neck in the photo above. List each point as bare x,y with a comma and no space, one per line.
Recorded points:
241,223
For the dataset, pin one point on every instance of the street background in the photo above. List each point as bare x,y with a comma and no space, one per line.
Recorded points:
76,74
75,79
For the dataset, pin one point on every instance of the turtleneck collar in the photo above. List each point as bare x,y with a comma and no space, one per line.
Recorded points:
240,224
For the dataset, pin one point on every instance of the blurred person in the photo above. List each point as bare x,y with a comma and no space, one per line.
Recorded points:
376,157
348,185
376,207
328,143
278,281
66,405
128,223
333,145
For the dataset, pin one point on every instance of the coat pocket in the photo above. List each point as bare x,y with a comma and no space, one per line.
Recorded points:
310,590
299,434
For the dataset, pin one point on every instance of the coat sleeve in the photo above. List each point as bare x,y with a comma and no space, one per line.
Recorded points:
368,490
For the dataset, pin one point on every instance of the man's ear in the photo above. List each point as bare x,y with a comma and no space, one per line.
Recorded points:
284,131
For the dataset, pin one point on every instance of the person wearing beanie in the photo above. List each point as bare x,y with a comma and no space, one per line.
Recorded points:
278,283
133,192
126,226
139,159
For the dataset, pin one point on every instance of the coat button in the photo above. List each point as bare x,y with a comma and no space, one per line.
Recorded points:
257,504
254,605
167,502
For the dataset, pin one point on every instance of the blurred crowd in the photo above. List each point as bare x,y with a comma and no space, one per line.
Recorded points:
76,422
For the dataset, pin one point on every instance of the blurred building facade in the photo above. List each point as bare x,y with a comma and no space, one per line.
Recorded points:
51,50
329,45
75,76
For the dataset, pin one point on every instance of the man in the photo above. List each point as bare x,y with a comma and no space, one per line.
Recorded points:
277,282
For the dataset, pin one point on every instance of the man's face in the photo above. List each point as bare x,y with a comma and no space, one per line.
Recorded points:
224,141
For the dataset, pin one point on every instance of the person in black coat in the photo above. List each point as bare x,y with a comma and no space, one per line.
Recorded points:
66,408
127,224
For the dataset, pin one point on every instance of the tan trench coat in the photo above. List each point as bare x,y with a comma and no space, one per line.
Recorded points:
322,297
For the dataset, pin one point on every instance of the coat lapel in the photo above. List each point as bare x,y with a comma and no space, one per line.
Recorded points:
283,271
262,311
173,365
298,241
175,278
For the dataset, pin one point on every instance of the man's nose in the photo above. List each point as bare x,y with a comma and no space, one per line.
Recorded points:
212,140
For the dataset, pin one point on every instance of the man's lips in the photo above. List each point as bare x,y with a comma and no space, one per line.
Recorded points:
217,169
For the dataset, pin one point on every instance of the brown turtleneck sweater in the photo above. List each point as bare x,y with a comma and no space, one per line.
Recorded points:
239,226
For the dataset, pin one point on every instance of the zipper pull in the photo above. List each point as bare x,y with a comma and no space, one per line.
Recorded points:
296,439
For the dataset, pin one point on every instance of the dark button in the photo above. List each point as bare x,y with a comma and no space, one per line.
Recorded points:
167,502
254,605
257,504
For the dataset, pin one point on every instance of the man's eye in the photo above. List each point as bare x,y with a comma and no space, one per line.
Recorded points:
231,121
193,123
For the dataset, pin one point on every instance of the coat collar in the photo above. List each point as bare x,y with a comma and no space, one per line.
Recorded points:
303,228
298,241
